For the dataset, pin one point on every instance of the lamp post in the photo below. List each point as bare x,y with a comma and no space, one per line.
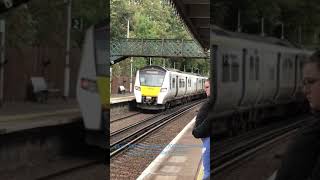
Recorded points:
67,62
2,59
131,59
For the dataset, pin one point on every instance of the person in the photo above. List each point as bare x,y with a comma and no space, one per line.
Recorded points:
202,130
302,159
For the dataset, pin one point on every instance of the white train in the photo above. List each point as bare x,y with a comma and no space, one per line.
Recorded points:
159,88
253,77
93,92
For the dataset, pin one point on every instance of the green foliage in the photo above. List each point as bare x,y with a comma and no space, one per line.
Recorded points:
150,19
44,22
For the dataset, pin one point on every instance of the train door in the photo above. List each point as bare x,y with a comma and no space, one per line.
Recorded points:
186,84
197,85
244,77
278,76
177,86
295,75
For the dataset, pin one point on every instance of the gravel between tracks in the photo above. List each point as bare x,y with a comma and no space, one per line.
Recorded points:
131,163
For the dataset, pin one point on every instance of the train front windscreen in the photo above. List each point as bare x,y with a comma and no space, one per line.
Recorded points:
102,63
151,78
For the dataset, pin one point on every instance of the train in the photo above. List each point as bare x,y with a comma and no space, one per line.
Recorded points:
159,88
93,90
252,78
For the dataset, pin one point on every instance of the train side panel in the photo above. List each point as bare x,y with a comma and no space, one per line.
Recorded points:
89,101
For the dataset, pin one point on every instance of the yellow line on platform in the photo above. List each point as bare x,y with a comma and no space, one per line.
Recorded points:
201,173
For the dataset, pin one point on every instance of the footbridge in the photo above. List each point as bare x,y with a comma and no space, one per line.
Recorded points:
165,48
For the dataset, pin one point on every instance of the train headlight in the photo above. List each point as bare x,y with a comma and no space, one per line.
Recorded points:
89,85
137,88
163,90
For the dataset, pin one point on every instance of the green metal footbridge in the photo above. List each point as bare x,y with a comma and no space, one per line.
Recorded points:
166,48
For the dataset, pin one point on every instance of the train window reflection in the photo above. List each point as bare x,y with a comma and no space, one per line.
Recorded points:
101,51
149,79
251,73
257,68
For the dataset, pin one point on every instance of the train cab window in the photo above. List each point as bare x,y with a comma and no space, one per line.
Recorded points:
257,64
189,82
101,50
151,77
225,68
235,72
251,72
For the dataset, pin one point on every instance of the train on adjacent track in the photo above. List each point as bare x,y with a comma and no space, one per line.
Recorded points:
158,88
253,78
93,92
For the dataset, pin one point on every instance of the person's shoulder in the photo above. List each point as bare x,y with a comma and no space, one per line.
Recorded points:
207,103
312,125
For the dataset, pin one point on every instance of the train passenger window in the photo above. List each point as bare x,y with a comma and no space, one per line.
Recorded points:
225,68
290,68
173,83
235,72
257,67
251,72
285,69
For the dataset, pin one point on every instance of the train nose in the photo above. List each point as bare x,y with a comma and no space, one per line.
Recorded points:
149,100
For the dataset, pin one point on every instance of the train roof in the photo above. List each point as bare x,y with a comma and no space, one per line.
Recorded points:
169,69
260,39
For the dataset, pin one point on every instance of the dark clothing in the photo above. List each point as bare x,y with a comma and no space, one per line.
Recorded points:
202,125
202,130
302,160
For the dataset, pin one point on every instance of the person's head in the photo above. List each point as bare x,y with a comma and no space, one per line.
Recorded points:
311,80
207,87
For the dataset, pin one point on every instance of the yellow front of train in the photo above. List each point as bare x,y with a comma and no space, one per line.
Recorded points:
149,87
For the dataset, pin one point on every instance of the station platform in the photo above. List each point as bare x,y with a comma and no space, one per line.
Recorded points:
19,116
121,98
180,160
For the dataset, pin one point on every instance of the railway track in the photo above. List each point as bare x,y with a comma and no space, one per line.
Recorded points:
230,152
126,117
124,138
72,170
